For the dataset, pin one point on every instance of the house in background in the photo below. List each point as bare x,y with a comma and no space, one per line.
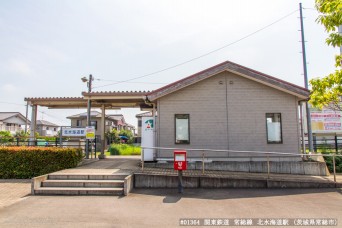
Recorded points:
46,128
12,122
113,121
120,123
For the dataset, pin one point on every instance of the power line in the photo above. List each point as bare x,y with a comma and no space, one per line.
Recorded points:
51,116
159,83
309,8
201,56
12,103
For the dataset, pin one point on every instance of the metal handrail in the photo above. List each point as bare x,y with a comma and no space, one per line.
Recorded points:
267,153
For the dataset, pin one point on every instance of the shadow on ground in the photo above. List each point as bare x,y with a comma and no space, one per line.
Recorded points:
172,195
112,162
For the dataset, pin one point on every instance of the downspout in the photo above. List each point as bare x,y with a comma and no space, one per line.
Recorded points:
302,124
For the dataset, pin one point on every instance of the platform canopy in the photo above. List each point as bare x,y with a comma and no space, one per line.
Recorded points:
110,100
103,100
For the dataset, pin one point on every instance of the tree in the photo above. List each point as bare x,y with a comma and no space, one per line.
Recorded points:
6,136
22,134
326,91
113,136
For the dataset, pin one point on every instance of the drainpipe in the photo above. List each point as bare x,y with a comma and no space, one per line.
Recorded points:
302,126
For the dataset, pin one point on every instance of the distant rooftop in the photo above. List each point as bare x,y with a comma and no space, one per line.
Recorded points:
46,123
7,115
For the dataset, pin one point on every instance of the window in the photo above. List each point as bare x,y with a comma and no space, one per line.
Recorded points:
78,123
139,123
47,128
55,129
273,127
182,129
94,124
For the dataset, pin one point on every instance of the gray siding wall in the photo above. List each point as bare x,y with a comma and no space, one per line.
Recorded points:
228,111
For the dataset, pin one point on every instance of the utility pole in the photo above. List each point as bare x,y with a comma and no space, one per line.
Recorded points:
26,120
308,116
89,84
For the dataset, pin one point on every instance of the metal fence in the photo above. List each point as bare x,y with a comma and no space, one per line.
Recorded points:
52,142
206,154
325,143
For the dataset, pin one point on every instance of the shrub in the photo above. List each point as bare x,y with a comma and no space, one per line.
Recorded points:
28,162
329,161
124,149
128,134
6,136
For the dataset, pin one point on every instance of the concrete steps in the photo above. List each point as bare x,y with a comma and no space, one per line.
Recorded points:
80,184
78,191
84,183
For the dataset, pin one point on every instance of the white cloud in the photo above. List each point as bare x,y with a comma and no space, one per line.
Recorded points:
9,88
20,67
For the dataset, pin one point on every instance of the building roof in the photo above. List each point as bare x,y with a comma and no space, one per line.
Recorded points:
46,123
236,69
7,115
84,115
116,93
118,99
118,117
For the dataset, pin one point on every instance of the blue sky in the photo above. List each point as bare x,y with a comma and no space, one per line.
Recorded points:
47,46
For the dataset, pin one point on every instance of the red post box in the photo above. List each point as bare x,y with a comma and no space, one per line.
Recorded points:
179,160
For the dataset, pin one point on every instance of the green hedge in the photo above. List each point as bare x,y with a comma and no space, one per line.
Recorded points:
28,162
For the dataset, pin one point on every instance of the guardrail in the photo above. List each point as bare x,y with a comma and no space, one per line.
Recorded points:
267,155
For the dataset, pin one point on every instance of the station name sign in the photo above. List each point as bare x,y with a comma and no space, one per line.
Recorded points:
74,132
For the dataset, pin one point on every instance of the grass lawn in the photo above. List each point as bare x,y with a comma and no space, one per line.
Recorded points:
124,149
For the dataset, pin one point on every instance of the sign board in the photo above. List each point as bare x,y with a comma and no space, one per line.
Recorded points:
90,132
147,137
326,120
179,162
74,132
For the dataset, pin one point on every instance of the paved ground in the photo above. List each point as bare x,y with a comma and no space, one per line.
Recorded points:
12,191
109,165
164,208
257,176
159,207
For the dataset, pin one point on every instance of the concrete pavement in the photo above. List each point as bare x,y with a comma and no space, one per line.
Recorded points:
13,190
164,208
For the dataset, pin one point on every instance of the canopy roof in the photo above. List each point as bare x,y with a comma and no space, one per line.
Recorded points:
111,100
